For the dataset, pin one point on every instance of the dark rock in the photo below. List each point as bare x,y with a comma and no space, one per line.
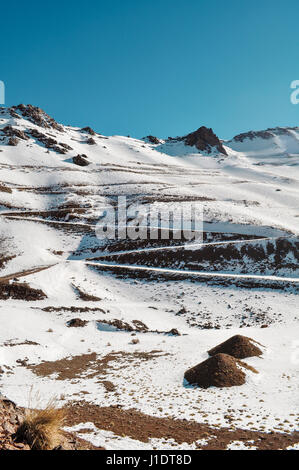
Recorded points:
12,132
174,332
152,139
81,160
204,139
13,141
91,141
38,116
89,130
77,323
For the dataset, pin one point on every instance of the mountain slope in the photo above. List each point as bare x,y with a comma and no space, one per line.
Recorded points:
178,298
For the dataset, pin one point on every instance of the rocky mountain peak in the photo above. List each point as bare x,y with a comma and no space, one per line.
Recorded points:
204,139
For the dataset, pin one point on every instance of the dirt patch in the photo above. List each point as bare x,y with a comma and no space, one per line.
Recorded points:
84,296
72,309
142,427
237,346
88,366
20,292
5,189
220,370
12,343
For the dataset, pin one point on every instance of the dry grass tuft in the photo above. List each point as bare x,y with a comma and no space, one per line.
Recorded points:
42,429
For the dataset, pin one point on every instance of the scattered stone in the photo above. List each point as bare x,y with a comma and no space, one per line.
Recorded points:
91,141
135,341
13,141
174,332
12,132
38,116
49,142
77,323
152,139
89,130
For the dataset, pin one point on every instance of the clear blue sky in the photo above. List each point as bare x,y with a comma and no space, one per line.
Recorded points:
163,67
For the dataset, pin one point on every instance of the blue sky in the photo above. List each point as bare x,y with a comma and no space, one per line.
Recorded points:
165,67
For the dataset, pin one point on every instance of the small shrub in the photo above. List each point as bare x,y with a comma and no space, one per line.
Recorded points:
42,429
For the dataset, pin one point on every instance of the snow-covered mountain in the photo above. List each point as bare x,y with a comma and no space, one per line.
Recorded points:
271,143
241,277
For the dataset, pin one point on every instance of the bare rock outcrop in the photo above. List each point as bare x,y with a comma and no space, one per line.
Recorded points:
205,140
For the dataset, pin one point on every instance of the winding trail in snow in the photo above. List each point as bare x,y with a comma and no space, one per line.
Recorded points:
189,246
197,273
26,272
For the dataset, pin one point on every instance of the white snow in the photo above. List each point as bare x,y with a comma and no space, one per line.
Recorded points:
254,191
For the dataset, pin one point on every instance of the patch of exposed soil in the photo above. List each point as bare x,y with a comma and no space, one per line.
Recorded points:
5,189
12,343
84,296
20,292
237,346
88,366
72,309
142,427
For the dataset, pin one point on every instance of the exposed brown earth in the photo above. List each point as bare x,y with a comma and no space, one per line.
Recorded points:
89,365
20,292
5,189
72,309
237,346
141,427
84,296
27,272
